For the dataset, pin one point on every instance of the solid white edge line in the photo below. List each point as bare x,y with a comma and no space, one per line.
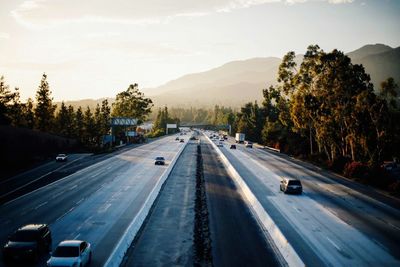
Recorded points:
119,251
75,173
285,248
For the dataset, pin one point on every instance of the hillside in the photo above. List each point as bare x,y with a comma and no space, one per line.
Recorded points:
238,82
368,50
381,65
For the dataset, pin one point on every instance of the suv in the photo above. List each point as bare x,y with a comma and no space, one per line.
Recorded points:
249,144
159,161
291,185
28,243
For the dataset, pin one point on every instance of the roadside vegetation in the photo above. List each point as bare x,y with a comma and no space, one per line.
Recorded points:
325,110
37,129
160,123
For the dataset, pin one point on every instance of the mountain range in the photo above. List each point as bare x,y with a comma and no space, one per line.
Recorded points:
238,82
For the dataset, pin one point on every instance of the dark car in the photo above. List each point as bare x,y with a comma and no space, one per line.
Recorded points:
291,185
28,243
159,161
232,147
182,141
177,138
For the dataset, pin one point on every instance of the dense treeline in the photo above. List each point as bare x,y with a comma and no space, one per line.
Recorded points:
83,124
327,110
160,122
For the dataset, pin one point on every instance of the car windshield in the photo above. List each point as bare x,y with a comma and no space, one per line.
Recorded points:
294,182
66,252
24,236
159,158
61,155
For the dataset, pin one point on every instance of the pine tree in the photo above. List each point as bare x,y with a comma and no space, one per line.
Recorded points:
29,114
79,125
62,123
44,110
5,98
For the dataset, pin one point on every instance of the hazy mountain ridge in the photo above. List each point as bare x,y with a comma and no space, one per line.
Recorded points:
368,50
241,81
382,65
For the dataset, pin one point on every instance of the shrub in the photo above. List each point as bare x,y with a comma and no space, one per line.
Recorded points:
356,170
339,164
395,188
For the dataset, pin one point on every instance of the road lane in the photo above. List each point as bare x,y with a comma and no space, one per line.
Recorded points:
378,221
77,204
307,222
166,238
236,237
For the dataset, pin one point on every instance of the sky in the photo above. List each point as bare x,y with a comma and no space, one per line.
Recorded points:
96,48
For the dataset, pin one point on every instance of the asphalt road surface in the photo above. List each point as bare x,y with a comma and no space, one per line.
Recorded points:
95,204
236,238
333,223
166,238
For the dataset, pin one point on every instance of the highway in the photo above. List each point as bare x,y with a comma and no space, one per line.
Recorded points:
236,237
331,224
166,239
95,204
335,222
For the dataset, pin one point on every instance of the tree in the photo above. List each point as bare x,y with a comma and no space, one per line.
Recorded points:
6,97
16,110
90,133
79,125
62,121
105,117
132,103
388,91
44,110
70,130
29,115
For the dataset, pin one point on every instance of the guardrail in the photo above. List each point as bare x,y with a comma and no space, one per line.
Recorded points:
126,240
286,250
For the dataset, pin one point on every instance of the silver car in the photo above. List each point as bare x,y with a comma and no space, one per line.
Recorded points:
71,253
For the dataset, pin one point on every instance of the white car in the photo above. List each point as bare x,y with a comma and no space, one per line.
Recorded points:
61,157
71,253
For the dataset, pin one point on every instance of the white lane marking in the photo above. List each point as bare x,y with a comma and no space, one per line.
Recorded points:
393,225
79,201
56,195
73,187
42,204
37,179
333,243
104,208
151,144
94,175
76,237
108,168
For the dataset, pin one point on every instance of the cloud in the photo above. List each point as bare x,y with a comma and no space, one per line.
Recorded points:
50,13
